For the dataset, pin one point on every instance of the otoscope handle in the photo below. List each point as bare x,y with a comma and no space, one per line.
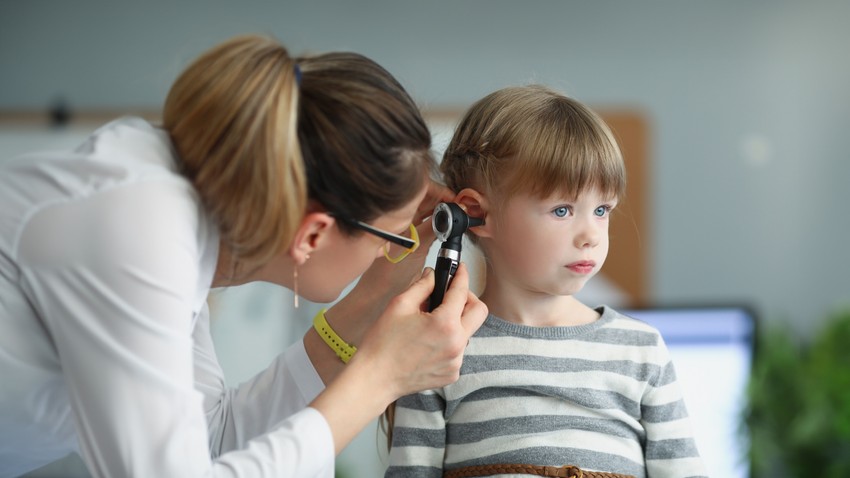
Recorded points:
444,271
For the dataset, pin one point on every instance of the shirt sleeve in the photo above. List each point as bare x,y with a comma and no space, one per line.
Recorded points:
236,415
113,276
670,451
419,437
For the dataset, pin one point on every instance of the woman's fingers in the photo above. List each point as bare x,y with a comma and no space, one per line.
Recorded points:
456,295
460,302
420,350
420,290
474,314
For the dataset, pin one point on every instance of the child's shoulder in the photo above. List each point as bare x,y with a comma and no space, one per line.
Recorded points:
614,320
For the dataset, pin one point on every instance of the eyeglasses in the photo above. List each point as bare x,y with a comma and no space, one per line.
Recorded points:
408,244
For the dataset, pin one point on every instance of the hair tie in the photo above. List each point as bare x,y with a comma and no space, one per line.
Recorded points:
297,74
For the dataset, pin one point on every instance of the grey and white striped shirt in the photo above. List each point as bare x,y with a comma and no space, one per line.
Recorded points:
601,396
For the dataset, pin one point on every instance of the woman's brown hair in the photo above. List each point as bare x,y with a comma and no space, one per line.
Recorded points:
365,145
259,132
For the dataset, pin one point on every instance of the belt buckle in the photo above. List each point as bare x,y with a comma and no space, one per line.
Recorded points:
566,471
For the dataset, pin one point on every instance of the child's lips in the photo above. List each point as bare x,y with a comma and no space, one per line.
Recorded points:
582,267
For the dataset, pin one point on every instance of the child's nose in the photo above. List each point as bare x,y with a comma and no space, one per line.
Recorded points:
588,234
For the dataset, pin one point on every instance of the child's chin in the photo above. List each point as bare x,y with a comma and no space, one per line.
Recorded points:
573,289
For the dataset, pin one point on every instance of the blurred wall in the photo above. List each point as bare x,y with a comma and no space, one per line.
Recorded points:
748,103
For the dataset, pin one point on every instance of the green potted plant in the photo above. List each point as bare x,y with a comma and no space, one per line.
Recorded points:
798,411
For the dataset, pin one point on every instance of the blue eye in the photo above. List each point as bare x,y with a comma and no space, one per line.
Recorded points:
601,211
562,211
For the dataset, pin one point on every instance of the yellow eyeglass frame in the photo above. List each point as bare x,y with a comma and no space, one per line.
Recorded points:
414,235
410,244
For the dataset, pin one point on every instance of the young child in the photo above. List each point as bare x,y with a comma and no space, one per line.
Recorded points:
546,381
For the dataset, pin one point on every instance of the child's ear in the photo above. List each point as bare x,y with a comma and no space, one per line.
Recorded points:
476,205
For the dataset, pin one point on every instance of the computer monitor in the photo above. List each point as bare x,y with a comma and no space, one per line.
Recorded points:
712,351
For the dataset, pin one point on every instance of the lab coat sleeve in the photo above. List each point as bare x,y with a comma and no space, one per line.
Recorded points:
113,277
236,415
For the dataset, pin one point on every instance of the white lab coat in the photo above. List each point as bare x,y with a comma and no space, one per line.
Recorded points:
106,260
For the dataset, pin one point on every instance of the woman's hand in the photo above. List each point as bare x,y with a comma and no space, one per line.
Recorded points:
355,312
415,350
406,350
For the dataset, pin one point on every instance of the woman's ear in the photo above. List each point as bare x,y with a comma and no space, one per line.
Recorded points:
312,235
476,205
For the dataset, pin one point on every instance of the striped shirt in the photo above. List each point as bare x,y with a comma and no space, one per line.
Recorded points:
601,396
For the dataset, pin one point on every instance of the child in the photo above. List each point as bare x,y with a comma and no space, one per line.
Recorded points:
547,381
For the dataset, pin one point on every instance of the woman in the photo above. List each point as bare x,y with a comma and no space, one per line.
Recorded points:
266,168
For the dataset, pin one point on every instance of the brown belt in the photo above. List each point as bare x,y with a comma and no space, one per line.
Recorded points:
566,471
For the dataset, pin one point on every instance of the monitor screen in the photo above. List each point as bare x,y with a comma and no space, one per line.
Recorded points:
712,351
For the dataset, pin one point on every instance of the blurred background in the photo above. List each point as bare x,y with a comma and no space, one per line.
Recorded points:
734,118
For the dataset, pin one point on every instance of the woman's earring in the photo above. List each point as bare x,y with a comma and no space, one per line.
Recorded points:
295,280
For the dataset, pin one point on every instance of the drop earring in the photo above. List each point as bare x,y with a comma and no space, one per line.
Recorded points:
295,281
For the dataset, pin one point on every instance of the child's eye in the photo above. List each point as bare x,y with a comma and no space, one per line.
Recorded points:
562,211
602,211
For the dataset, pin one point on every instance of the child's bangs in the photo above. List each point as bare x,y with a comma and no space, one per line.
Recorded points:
567,157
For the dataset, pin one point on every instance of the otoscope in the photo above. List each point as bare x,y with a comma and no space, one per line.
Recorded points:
449,222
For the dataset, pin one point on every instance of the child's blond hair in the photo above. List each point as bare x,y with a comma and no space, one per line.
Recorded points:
533,140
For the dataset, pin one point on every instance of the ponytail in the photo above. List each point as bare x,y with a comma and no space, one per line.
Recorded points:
232,117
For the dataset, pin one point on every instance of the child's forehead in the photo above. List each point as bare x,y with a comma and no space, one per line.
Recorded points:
567,194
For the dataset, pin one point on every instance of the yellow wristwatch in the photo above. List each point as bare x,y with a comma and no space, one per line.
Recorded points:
343,349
